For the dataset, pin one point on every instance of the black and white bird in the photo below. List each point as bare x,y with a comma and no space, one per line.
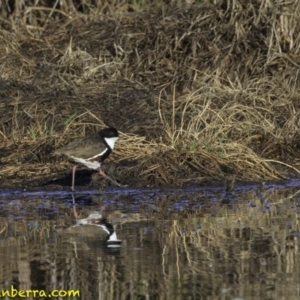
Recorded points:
96,219
91,151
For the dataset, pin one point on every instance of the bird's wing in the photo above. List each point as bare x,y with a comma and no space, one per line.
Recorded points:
85,147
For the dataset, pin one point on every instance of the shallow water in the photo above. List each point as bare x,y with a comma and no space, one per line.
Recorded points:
183,243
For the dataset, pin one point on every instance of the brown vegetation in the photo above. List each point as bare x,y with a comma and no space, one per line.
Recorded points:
200,91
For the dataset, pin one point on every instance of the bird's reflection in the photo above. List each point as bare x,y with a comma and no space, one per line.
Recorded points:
96,218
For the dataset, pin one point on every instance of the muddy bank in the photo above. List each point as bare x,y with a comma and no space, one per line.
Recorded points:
199,92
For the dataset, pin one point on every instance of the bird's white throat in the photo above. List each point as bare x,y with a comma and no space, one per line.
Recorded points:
111,142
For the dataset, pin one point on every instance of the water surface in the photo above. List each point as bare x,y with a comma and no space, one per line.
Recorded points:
182,243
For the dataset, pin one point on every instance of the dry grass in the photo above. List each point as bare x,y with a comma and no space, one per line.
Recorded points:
200,91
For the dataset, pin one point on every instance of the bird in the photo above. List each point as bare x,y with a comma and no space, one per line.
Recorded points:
96,219
91,151
94,225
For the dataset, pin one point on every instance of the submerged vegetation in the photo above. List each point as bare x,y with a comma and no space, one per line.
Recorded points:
200,91
176,243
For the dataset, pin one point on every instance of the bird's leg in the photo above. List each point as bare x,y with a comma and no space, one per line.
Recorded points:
102,209
73,177
107,177
74,208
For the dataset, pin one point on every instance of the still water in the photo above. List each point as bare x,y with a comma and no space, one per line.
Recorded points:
183,243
